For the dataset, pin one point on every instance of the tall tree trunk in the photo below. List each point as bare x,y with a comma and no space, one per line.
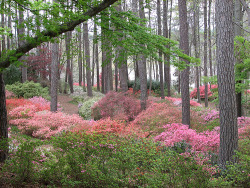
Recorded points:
69,69
80,57
167,34
226,81
3,118
205,52
84,66
93,55
160,53
197,54
142,66
87,55
209,39
185,73
54,77
97,66
21,32
238,16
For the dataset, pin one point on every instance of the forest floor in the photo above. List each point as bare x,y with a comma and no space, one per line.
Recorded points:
68,107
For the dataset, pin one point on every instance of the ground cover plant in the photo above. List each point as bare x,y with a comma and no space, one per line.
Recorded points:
151,149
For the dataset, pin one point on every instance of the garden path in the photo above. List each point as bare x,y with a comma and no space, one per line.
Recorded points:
68,107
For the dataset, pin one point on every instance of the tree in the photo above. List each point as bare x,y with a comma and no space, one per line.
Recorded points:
87,56
185,73
238,17
142,66
226,81
197,54
205,51
54,76
12,56
160,53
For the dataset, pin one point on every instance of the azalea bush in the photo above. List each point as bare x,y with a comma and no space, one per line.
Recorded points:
119,106
13,103
193,94
177,132
9,94
45,124
177,101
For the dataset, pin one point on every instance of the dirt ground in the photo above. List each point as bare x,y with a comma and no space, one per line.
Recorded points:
68,107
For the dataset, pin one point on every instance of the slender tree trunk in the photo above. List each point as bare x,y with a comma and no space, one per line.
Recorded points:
93,55
209,39
142,66
84,66
97,66
87,55
54,77
238,16
197,55
205,52
167,34
226,81
184,74
3,118
160,53
21,32
80,57
69,69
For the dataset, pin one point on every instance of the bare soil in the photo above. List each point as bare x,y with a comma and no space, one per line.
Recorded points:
68,107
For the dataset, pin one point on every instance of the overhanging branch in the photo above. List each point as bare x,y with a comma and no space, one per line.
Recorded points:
45,36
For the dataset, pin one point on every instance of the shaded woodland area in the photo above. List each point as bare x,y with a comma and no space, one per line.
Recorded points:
127,58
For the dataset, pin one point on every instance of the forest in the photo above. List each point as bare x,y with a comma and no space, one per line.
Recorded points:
115,93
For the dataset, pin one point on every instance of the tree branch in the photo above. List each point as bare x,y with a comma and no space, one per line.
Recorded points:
45,36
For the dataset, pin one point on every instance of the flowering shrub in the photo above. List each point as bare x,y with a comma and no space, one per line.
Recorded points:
13,103
9,94
46,124
157,115
108,125
25,111
210,115
174,133
118,106
177,101
43,104
193,94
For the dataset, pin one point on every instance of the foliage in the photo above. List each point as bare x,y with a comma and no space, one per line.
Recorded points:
13,103
28,90
119,106
92,160
11,75
85,107
242,67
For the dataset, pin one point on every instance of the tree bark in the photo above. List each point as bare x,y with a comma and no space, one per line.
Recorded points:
160,53
80,57
3,122
197,54
142,66
226,81
238,17
87,55
54,77
185,73
205,52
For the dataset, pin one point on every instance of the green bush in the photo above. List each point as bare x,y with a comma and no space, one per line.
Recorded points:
85,107
28,90
92,160
11,75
